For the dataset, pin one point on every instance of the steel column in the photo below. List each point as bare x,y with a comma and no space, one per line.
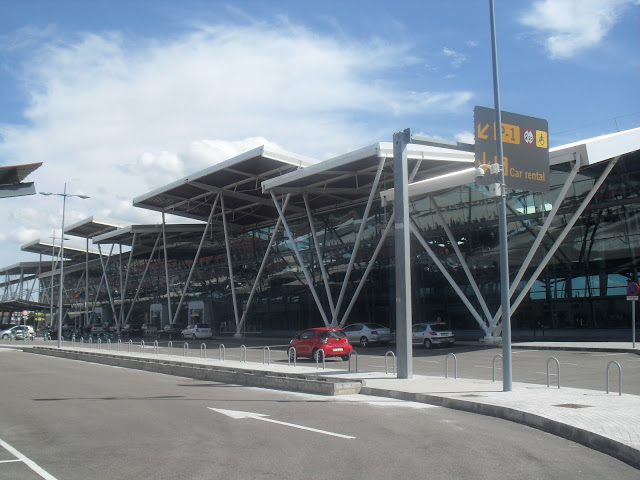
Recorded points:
323,270
403,255
229,262
166,268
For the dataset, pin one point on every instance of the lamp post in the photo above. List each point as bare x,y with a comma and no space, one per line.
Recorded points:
64,196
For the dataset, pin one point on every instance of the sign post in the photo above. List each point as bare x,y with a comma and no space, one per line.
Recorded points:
525,148
632,295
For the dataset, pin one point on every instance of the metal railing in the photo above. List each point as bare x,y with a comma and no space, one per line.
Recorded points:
619,376
142,346
203,350
185,349
221,352
243,353
549,375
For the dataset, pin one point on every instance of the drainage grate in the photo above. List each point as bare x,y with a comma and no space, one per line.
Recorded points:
571,405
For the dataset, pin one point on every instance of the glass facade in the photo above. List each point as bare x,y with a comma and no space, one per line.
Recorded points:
583,285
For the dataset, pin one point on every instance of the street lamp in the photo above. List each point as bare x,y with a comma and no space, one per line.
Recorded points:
64,196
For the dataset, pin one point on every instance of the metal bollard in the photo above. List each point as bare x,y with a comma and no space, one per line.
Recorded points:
266,353
221,352
619,376
141,346
317,356
155,347
243,351
203,351
548,374
353,352
494,366
185,349
455,366
386,368
291,353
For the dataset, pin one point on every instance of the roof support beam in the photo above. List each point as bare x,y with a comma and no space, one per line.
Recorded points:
229,262
323,270
267,253
195,260
370,264
356,245
300,260
144,274
560,238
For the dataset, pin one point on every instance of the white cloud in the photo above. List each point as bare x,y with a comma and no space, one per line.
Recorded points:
115,118
457,58
569,27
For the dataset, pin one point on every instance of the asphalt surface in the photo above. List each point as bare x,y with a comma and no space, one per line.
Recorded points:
77,420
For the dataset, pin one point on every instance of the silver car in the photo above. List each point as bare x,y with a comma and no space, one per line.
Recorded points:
430,334
365,333
197,330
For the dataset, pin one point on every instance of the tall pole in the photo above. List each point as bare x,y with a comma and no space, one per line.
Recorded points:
64,204
403,255
502,220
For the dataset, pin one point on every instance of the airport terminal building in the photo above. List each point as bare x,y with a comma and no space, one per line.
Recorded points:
275,242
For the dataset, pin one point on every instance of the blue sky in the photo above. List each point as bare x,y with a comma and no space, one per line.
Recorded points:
118,98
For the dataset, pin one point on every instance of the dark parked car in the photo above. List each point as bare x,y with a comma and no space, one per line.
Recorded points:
132,330
172,330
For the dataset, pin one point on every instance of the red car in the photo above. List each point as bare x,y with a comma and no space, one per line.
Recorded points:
332,341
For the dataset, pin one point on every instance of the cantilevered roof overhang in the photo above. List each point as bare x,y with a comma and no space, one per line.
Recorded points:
238,178
19,305
145,235
347,179
589,152
11,180
47,248
91,227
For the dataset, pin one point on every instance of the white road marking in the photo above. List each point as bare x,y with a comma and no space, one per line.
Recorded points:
235,414
27,461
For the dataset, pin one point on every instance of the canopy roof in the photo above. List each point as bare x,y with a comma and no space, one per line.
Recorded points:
48,248
347,179
91,227
239,178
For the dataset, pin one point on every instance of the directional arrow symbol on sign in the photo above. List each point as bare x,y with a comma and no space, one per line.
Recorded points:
235,414
482,131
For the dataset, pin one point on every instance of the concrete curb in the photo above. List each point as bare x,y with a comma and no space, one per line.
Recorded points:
578,348
249,377
589,439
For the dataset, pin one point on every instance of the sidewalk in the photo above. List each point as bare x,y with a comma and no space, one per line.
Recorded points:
609,423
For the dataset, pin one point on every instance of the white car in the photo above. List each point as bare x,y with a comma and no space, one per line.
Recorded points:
430,334
197,330
18,332
365,333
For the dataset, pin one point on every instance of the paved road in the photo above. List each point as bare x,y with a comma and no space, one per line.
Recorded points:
78,420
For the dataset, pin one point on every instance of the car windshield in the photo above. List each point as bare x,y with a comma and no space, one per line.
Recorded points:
331,334
439,327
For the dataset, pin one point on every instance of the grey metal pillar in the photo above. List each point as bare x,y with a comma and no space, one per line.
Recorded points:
304,269
230,263
403,255
144,274
86,285
195,260
504,249
166,268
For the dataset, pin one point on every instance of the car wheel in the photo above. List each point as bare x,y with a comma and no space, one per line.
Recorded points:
5,336
345,357
364,342
427,343
316,355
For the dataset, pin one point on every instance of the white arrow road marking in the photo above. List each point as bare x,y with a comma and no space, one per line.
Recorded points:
261,416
